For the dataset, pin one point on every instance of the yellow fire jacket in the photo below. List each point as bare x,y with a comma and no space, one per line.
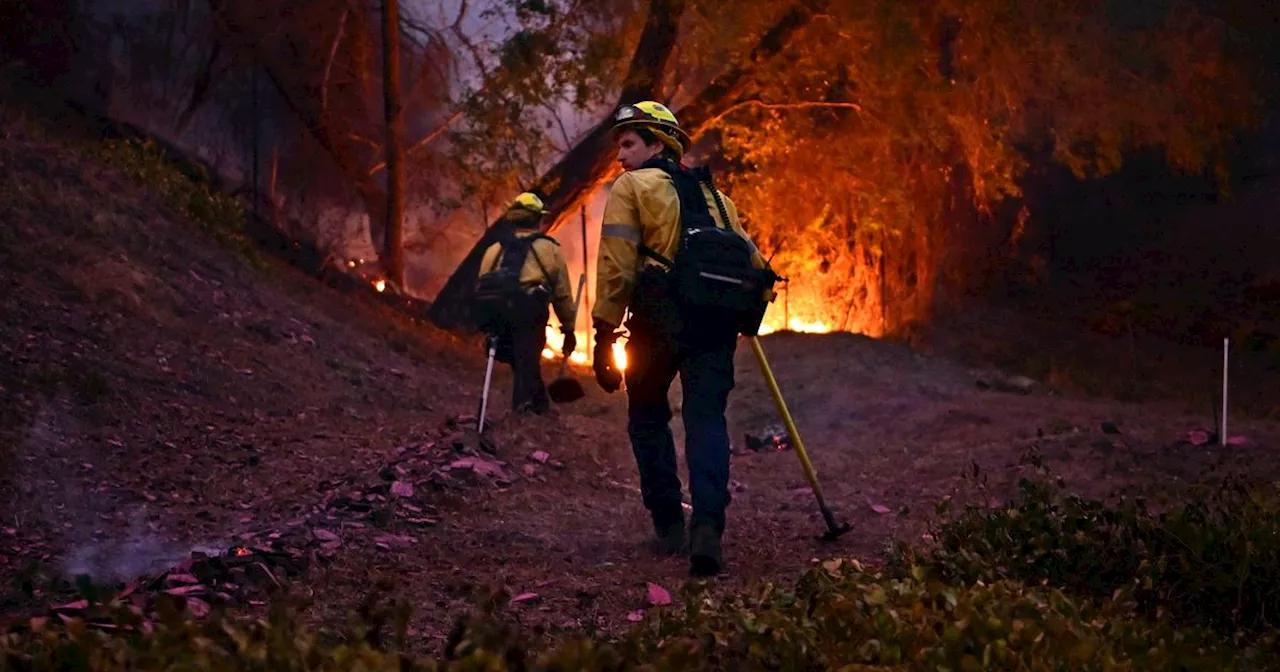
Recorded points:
548,253
643,207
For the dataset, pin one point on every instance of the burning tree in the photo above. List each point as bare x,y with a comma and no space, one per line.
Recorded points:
864,153
874,137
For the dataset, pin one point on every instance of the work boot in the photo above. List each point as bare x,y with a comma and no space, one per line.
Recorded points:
668,540
704,551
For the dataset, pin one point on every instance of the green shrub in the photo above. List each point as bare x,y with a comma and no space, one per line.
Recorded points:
1211,562
842,615
174,640
839,616
193,196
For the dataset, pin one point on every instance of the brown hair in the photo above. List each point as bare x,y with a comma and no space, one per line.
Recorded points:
649,138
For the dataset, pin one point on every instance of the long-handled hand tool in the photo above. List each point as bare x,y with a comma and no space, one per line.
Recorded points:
834,529
565,388
488,376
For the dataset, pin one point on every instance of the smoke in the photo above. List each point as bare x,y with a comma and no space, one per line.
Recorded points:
138,553
57,499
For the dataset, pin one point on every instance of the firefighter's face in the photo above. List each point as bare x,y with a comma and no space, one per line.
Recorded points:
633,152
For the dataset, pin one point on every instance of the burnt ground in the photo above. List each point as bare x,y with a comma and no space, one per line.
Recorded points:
161,393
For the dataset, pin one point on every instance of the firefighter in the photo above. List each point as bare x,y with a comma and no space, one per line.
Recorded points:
526,271
641,228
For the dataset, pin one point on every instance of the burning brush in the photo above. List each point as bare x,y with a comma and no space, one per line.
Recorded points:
772,438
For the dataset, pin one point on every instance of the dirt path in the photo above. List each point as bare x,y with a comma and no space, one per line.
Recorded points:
887,450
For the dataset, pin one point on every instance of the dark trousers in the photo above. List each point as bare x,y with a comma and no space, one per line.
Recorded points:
706,377
520,345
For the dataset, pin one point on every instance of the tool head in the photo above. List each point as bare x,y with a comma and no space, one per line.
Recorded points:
487,443
564,390
834,533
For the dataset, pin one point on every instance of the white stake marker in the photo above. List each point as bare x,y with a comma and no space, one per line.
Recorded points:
1222,435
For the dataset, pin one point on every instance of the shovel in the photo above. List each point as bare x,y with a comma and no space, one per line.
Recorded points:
565,389
834,529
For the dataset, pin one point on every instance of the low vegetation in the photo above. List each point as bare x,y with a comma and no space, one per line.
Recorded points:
1049,581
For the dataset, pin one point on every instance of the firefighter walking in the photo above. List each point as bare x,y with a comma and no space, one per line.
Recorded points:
520,277
676,325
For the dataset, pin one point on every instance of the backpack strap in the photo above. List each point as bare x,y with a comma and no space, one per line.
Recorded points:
694,211
506,257
655,255
704,176
538,260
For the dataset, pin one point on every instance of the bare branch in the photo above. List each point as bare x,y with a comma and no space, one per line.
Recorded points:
475,52
417,32
365,141
564,133
430,36
804,105
426,140
462,14
328,66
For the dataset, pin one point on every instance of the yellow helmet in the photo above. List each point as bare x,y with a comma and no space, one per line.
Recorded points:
529,201
657,117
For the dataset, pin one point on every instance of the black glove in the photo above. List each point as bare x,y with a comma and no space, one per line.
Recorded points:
570,342
607,375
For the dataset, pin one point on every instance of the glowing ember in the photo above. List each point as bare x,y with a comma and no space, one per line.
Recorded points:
380,285
581,355
798,325
242,551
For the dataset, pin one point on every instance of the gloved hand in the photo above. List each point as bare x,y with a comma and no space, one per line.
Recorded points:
608,377
570,342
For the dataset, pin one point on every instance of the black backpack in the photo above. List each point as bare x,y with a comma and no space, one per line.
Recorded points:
500,298
712,273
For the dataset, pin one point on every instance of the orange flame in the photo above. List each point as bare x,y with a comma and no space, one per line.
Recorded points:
806,314
773,322
380,285
555,346
807,311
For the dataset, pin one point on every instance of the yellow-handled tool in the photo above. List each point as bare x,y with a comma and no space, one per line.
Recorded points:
833,529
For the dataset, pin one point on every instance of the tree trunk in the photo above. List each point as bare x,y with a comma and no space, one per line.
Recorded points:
393,236
590,162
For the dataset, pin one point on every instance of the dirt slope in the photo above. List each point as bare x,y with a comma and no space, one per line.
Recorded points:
161,394
142,364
